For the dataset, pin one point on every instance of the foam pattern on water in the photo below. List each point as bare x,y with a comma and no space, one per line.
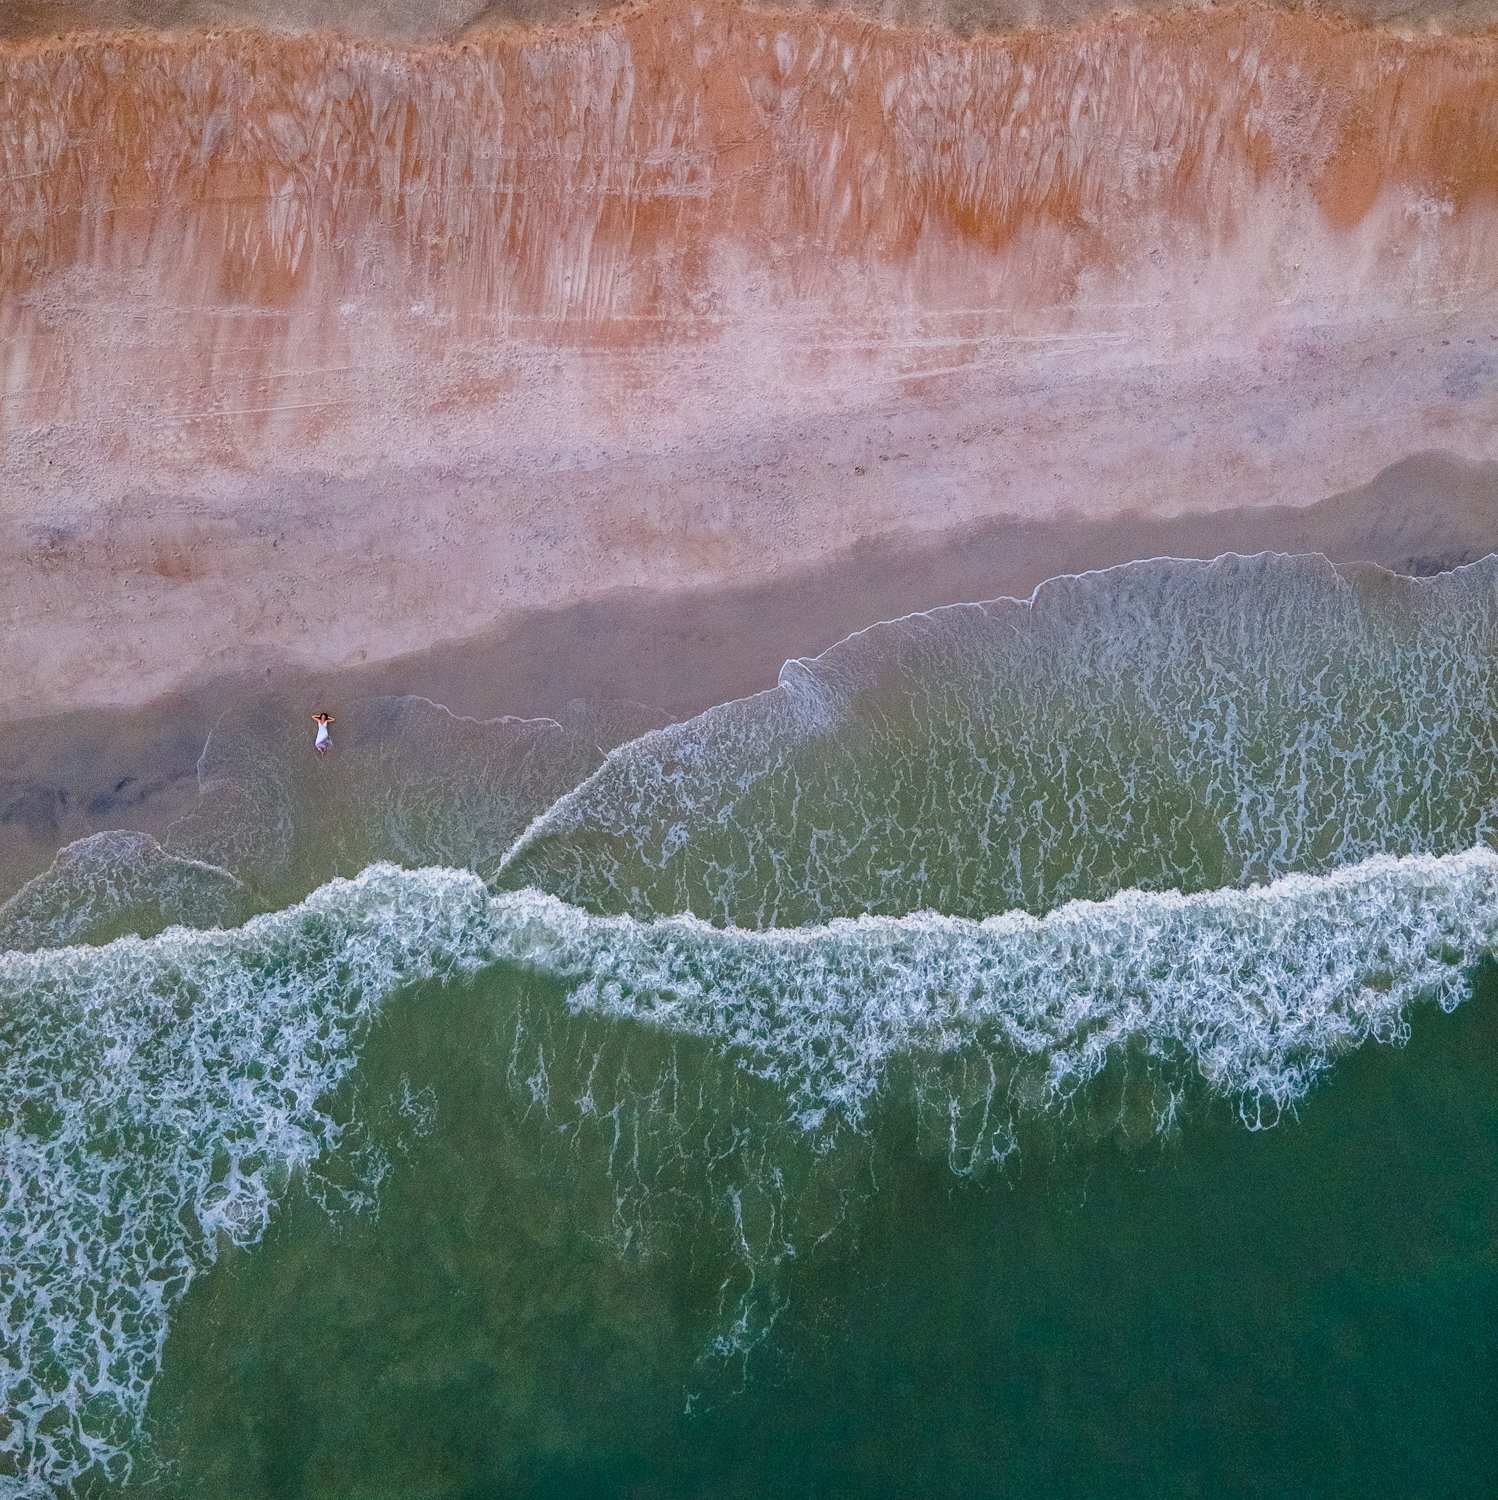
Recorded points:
1255,991
110,884
156,1096
1165,725
407,781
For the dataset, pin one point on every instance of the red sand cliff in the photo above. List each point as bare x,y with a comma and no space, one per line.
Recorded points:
697,292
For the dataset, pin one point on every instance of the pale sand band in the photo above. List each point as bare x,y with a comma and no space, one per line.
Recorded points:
327,352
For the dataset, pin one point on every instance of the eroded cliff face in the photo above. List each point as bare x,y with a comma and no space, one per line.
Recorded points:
699,291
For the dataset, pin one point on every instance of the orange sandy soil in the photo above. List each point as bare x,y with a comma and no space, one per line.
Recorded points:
330,351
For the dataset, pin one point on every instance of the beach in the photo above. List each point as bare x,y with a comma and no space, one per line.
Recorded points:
134,765
263,328
902,899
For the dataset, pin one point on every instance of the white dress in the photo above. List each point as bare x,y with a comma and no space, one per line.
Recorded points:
322,737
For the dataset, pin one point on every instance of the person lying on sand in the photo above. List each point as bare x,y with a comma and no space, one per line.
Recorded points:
322,743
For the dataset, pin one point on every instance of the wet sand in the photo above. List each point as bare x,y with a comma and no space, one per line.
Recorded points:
72,774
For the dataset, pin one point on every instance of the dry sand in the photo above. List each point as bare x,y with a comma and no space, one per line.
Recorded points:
331,352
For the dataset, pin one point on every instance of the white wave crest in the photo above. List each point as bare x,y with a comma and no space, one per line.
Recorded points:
156,1096
1256,990
1165,724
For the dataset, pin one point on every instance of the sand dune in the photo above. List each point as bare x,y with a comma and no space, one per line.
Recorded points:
690,296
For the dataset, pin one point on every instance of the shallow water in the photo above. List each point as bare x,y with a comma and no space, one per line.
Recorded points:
862,1088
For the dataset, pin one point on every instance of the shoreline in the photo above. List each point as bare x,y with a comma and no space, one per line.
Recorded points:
312,361
80,772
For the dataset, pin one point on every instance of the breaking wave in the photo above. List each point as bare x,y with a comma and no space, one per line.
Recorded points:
159,1095
1164,725
1199,828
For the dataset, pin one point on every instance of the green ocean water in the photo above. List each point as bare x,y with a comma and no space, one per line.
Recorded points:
1040,1047
1304,1311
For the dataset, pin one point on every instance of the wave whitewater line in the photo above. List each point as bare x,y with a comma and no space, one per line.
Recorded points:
1235,816
1168,725
160,1094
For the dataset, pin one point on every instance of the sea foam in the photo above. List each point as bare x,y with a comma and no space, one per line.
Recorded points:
113,884
157,1096
1164,725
